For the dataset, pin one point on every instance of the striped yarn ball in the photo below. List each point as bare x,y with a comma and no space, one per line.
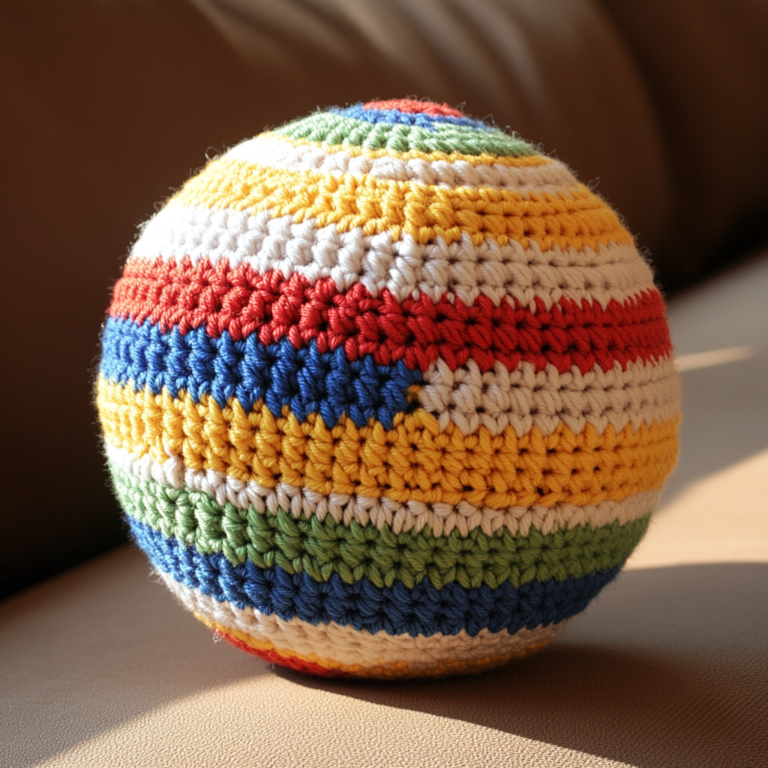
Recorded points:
386,392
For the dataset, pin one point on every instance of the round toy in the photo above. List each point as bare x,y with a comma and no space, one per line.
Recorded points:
386,392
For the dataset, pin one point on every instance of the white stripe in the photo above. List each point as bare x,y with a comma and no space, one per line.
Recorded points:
440,518
277,152
351,646
404,267
523,398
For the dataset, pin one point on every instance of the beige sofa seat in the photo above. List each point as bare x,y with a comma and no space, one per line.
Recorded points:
109,106
669,666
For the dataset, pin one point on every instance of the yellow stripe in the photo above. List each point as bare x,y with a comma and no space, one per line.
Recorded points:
413,461
579,219
526,161
394,669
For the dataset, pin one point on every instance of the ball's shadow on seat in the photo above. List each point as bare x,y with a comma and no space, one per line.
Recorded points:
667,667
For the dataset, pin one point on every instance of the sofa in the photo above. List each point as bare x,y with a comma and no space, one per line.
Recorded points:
110,106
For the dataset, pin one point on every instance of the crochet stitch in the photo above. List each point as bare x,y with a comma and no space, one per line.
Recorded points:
386,392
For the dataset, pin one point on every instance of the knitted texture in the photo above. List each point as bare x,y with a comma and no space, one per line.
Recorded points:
386,392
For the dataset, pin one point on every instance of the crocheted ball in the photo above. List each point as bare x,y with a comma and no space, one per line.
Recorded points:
387,392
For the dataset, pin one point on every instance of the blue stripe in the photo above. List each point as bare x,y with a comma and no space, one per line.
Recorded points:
396,117
422,610
303,379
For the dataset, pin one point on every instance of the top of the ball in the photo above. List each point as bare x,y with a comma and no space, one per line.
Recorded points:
403,125
310,195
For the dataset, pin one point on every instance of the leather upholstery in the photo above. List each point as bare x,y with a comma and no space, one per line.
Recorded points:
669,667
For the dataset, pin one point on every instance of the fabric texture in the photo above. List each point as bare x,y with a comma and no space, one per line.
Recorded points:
394,379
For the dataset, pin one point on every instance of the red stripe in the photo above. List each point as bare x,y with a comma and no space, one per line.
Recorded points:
284,661
241,301
415,107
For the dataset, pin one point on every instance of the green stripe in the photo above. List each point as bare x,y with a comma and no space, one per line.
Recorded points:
322,548
335,129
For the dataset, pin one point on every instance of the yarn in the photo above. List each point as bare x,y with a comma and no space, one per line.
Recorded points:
421,610
322,548
414,461
382,206
329,667
385,392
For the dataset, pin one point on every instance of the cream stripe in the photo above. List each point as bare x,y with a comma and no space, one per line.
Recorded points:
484,158
399,670
351,646
523,398
276,152
440,518
404,267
